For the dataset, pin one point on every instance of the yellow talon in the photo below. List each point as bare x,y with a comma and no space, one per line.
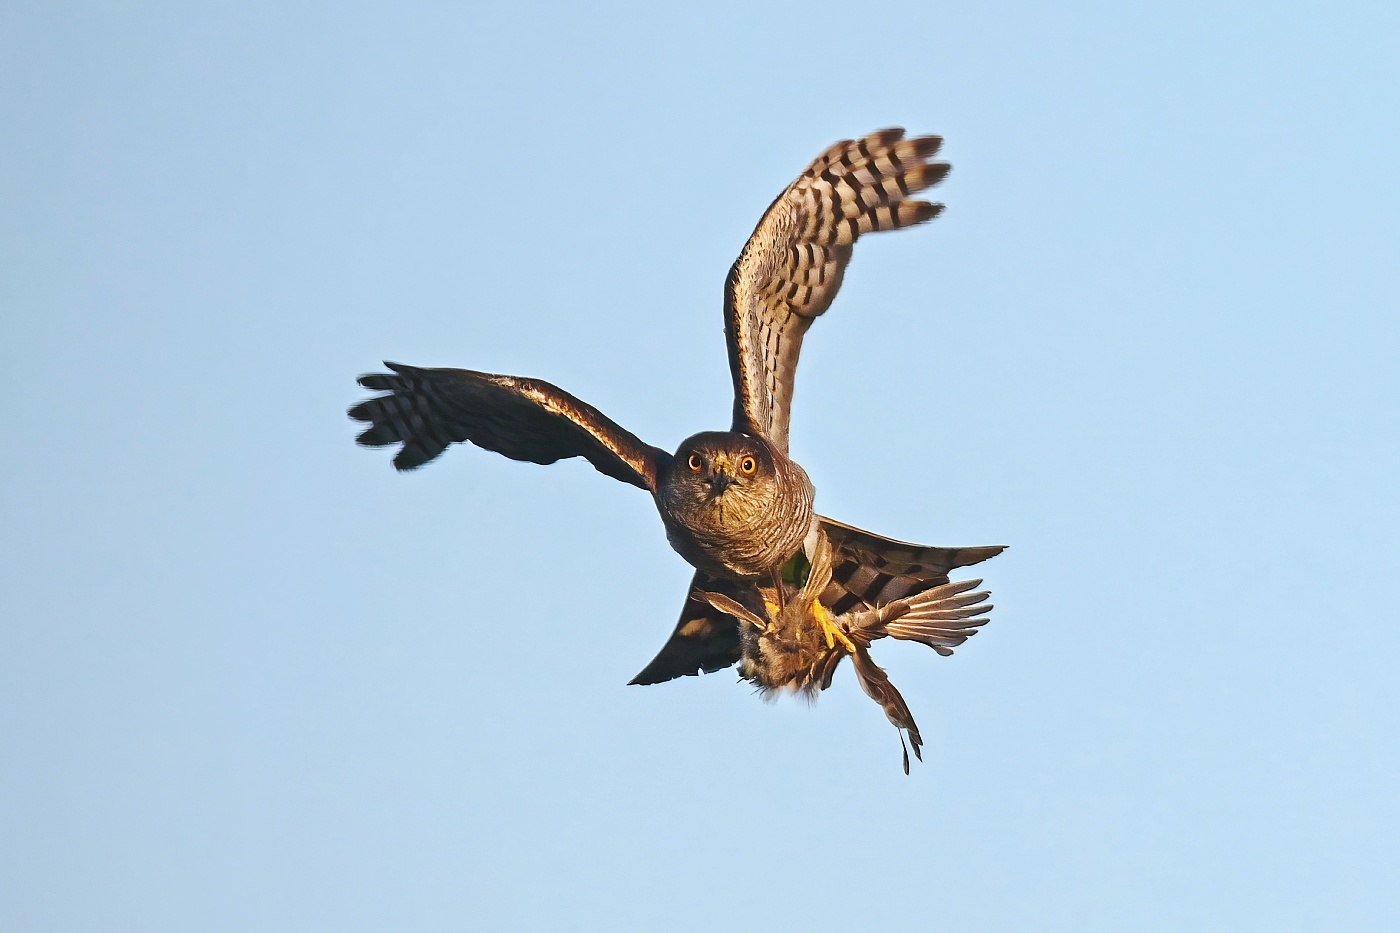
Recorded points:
830,629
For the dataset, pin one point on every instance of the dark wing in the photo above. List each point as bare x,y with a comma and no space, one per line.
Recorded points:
705,639
791,267
870,570
524,419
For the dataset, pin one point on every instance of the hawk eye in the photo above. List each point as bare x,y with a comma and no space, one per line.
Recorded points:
694,462
748,465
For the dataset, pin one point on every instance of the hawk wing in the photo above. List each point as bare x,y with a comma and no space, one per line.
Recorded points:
870,571
792,265
705,639
524,419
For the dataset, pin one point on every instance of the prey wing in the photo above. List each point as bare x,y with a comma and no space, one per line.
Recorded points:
792,266
425,410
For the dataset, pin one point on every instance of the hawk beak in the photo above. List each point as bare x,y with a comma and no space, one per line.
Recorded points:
719,482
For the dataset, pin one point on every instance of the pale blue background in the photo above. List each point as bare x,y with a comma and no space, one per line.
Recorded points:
252,679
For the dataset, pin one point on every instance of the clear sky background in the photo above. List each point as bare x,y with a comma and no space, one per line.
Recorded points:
252,679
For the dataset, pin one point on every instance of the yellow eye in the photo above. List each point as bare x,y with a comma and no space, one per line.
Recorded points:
694,462
748,465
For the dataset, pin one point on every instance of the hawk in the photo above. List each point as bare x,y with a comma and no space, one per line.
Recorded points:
733,503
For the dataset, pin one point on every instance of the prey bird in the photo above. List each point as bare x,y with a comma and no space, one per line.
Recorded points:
796,644
733,503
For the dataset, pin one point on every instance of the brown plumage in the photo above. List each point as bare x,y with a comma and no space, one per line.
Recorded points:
523,419
793,264
734,505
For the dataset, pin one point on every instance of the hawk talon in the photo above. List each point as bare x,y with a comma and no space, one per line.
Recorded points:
776,606
830,629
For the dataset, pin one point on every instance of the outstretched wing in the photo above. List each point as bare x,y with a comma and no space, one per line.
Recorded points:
870,570
524,419
792,265
705,639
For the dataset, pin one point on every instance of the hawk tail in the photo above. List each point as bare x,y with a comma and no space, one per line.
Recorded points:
870,570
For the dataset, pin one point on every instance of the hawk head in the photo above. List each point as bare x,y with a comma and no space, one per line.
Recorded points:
715,467
733,505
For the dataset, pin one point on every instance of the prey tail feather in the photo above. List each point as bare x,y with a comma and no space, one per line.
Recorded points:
876,684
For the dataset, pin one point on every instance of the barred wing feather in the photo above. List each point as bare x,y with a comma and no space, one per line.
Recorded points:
792,266
425,410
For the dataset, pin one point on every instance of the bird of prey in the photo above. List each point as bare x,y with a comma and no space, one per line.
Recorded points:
733,503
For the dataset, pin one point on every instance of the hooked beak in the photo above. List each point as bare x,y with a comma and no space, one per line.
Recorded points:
719,482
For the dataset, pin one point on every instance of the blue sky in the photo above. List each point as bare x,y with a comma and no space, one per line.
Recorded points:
250,678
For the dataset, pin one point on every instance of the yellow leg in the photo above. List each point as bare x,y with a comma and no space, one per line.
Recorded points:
830,629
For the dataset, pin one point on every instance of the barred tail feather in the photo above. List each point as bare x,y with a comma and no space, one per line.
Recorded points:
871,570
